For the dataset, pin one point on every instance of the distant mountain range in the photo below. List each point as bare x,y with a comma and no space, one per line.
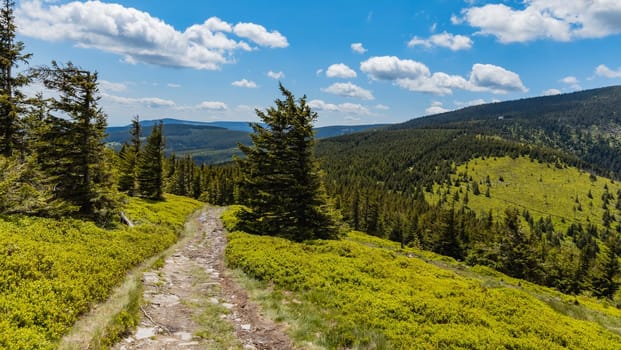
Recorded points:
214,142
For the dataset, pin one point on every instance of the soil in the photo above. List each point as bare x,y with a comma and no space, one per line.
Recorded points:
195,274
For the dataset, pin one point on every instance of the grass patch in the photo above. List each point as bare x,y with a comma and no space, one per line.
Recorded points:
349,294
566,194
53,271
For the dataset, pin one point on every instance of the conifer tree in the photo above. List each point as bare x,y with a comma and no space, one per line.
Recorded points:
281,180
71,149
150,179
11,98
129,156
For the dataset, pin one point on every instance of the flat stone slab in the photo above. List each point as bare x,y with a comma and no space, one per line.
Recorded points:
145,332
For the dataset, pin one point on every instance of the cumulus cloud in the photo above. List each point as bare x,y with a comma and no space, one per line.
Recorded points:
416,76
349,90
340,70
447,40
276,75
495,79
150,102
260,35
245,83
560,20
571,81
173,85
392,67
358,48
212,106
551,92
436,108
604,71
138,37
347,108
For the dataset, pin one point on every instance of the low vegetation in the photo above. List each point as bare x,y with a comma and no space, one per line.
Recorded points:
53,270
367,293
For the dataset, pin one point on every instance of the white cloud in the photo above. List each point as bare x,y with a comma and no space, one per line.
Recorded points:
381,107
258,34
551,92
173,85
436,108
340,70
137,36
150,102
604,71
416,76
447,40
358,48
560,20
571,81
245,83
392,67
347,108
495,79
212,105
319,71
349,90
110,86
276,75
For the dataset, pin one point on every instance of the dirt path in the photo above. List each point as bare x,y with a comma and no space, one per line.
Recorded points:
192,302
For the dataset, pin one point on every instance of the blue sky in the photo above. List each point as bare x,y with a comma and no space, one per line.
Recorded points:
358,62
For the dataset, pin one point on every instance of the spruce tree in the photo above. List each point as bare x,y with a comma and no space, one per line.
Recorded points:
70,148
11,99
281,180
150,179
129,155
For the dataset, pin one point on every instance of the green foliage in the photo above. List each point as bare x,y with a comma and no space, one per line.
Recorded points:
52,271
280,178
129,155
70,148
150,178
375,297
11,98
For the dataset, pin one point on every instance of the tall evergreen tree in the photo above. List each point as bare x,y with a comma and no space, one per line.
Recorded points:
281,180
129,155
150,179
71,147
11,98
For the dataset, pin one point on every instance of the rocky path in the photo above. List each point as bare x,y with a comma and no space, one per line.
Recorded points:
192,302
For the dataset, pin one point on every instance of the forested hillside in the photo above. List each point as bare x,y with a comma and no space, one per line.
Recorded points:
415,183
586,124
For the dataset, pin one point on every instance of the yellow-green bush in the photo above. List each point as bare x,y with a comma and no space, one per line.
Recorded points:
373,297
52,271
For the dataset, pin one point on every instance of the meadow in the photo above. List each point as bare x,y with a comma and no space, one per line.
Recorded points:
363,292
53,271
566,194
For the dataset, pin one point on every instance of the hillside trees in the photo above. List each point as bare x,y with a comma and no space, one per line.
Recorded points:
11,98
280,178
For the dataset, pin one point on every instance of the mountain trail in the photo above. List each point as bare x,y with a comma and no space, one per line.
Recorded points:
192,302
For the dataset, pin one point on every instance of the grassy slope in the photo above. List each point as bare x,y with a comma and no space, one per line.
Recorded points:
364,292
541,188
52,271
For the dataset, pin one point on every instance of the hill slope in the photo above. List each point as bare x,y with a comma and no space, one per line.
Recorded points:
585,123
363,292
